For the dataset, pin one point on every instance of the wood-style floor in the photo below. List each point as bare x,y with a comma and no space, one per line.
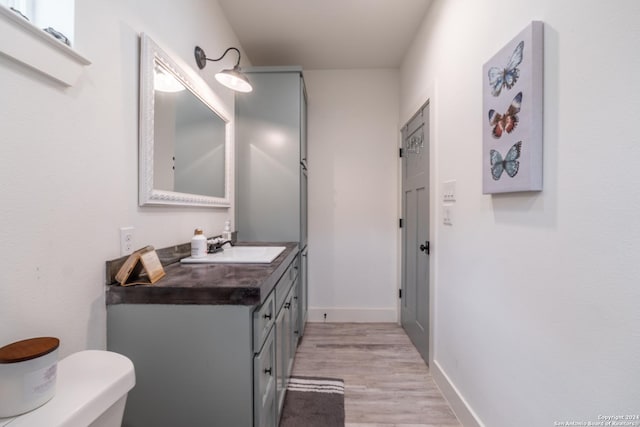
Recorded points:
387,384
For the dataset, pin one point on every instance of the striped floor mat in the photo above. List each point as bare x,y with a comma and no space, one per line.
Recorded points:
313,402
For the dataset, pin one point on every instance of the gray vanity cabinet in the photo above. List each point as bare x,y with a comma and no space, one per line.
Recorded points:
271,162
202,365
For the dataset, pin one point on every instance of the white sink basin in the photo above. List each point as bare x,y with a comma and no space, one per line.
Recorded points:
239,255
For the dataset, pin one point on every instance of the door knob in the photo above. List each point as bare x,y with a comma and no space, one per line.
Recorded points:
425,247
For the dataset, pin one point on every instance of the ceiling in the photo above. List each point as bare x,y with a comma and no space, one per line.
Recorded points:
325,34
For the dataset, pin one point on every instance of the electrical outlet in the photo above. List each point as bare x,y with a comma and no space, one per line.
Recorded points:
126,241
447,214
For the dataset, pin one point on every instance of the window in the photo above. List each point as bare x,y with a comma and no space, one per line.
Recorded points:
58,15
25,42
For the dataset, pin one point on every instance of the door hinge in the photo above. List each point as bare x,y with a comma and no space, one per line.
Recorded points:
400,223
400,152
399,293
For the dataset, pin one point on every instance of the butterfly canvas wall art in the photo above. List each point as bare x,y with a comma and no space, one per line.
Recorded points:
512,115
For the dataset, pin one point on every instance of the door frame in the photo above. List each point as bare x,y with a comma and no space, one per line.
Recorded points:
429,96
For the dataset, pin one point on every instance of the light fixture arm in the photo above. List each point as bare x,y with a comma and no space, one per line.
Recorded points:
233,79
201,57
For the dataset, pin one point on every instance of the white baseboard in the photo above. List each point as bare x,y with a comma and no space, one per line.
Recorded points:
466,415
355,315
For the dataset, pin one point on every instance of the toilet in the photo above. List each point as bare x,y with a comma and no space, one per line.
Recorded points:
91,391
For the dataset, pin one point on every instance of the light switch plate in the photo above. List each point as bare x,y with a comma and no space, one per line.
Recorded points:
449,191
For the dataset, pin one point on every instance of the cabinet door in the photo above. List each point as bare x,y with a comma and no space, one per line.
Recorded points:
303,207
264,386
303,122
281,357
303,291
304,164
268,159
295,325
287,350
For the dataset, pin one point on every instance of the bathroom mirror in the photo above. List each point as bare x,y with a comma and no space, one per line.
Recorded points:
185,135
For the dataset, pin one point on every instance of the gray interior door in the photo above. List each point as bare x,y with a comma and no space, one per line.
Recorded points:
415,231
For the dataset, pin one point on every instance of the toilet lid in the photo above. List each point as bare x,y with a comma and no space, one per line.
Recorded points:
88,383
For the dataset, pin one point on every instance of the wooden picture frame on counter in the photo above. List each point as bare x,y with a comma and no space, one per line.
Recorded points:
145,259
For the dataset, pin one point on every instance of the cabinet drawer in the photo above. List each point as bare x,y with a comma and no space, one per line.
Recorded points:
287,279
263,318
264,384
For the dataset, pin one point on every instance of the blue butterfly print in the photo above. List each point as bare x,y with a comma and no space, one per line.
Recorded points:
510,163
506,77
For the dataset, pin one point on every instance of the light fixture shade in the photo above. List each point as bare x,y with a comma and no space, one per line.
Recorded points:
234,79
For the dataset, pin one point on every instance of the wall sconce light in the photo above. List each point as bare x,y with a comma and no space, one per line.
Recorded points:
233,79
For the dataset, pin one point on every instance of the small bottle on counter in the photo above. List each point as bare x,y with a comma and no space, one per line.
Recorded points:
226,234
198,244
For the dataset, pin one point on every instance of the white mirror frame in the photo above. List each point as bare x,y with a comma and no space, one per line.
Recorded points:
150,52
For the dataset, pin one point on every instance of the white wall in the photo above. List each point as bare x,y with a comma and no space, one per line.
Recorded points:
69,168
353,190
536,294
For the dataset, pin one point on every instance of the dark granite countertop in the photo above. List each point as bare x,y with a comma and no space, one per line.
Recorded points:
213,284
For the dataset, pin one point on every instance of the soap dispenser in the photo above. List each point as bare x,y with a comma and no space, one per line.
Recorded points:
198,244
227,234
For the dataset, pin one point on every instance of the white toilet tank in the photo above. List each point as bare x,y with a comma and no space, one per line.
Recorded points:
91,391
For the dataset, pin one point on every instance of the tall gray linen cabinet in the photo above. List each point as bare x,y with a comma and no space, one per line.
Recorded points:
271,163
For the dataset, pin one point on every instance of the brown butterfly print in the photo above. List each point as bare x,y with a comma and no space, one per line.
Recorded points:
508,121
